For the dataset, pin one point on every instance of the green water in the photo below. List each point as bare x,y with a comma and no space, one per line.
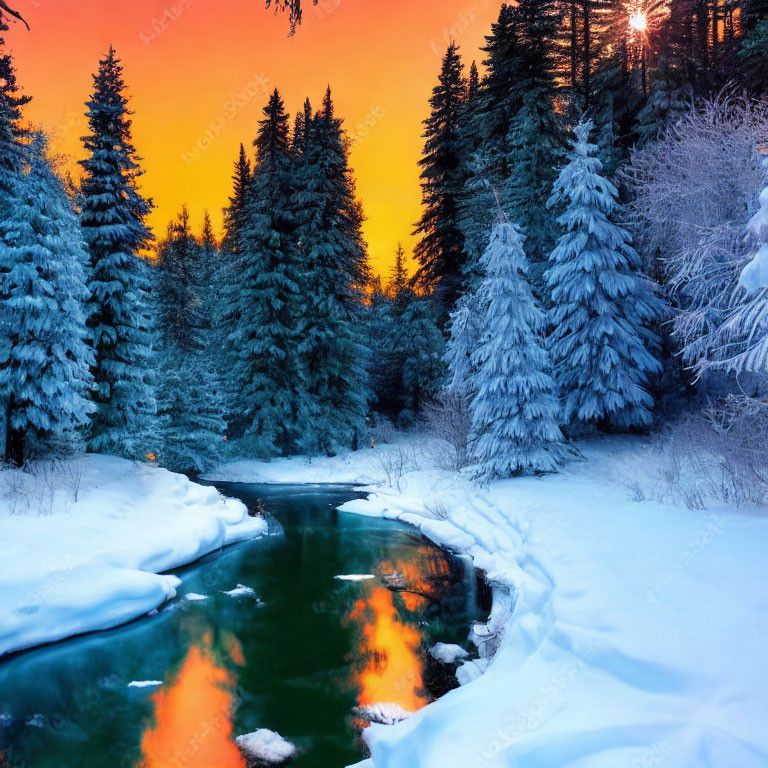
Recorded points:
291,660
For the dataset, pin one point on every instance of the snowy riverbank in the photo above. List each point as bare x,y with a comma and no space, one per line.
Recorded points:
83,544
626,633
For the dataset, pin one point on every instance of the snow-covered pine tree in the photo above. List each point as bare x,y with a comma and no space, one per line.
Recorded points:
466,330
440,250
603,346
515,413
418,348
740,343
189,400
226,288
44,357
333,259
112,218
269,370
535,140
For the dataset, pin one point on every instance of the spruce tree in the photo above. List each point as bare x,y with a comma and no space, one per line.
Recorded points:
44,357
333,262
269,370
602,343
112,218
515,413
440,250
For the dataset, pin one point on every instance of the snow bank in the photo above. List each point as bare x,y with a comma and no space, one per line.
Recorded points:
622,633
97,564
368,466
266,746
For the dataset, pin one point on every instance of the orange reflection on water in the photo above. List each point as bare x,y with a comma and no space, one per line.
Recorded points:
392,671
193,726
416,579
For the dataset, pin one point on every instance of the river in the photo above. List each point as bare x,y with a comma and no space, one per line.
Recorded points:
299,655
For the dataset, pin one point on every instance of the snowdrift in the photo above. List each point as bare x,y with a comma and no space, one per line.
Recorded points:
96,562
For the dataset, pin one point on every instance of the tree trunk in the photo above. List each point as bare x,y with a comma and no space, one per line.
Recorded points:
14,440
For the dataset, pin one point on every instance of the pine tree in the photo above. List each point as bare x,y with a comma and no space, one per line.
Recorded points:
603,347
466,331
398,278
514,411
535,138
112,217
418,349
180,308
44,357
269,369
440,250
189,400
11,130
333,258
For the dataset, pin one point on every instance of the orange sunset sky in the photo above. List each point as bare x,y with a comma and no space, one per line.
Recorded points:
198,72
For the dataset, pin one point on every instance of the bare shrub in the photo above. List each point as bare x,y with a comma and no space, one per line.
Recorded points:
383,430
719,455
396,462
448,419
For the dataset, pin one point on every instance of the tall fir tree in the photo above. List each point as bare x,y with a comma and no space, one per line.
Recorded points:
398,277
44,356
12,102
332,257
190,401
272,401
112,218
535,140
602,342
515,413
440,249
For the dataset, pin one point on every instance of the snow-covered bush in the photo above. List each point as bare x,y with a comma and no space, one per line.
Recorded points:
692,189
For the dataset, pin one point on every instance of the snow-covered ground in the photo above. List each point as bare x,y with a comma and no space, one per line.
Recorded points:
624,632
69,566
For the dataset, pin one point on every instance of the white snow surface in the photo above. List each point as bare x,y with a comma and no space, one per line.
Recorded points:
145,683
97,562
623,633
267,746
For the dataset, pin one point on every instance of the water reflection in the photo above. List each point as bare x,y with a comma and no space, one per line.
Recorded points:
389,667
193,714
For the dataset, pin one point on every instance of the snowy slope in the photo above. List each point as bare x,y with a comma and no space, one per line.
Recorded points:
629,634
637,636
93,563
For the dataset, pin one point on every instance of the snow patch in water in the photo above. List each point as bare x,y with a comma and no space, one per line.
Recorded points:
267,746
144,683
241,591
355,577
